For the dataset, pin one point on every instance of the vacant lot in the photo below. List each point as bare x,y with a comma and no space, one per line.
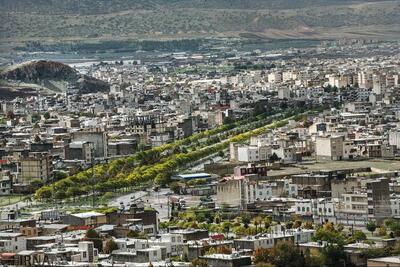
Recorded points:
389,165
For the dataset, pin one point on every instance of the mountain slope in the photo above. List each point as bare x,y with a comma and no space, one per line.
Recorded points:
123,19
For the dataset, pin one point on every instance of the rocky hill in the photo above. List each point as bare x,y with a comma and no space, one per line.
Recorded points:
53,76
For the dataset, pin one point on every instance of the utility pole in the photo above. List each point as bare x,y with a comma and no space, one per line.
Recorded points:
168,206
93,179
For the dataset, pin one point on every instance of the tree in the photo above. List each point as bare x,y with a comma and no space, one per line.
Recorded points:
46,115
37,139
224,250
10,115
110,246
286,254
261,255
245,220
226,226
382,231
175,187
274,157
371,226
329,235
359,235
308,225
283,254
44,192
370,253
257,221
199,263
297,224
289,225
36,184
267,222
394,227
217,219
92,235
136,234
333,255
35,117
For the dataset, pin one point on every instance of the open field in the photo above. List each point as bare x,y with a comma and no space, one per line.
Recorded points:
389,165
10,200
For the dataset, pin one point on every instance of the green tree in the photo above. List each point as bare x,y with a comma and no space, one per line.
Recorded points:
92,235
333,255
274,157
329,235
46,115
36,183
110,246
35,117
217,219
226,226
44,192
37,139
371,226
373,252
286,254
382,231
246,220
359,235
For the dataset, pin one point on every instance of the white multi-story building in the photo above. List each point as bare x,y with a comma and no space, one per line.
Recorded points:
174,241
250,153
395,206
329,147
394,138
12,242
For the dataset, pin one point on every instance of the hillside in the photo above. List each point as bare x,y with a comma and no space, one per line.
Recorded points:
51,76
25,20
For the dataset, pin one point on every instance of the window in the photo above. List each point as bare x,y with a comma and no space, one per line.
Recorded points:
84,254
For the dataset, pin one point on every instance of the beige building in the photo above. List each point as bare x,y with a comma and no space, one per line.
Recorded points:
384,262
36,165
329,147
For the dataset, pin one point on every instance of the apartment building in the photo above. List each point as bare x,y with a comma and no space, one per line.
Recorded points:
329,147
37,165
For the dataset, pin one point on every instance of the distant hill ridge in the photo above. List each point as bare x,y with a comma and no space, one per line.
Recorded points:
110,6
155,19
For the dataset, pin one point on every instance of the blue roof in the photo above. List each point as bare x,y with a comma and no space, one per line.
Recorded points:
193,175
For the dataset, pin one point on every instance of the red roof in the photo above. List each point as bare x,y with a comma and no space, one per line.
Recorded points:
218,237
